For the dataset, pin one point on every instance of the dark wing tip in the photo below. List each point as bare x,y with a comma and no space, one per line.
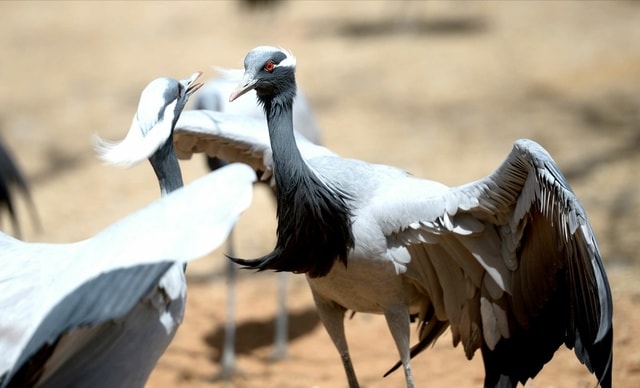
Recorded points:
598,358
101,299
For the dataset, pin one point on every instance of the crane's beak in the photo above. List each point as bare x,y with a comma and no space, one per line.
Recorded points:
248,83
190,85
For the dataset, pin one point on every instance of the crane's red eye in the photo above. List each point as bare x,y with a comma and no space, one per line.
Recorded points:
269,66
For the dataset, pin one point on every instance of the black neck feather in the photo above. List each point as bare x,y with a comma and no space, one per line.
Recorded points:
165,165
314,220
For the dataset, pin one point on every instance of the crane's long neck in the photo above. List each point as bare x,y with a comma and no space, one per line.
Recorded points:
314,219
165,164
288,162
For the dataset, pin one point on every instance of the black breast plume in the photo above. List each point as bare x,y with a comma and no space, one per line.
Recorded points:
314,219
314,229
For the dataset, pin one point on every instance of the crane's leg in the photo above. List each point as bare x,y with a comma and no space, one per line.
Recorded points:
281,334
332,317
399,324
228,359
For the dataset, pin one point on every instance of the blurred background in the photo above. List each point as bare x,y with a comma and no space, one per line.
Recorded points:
441,89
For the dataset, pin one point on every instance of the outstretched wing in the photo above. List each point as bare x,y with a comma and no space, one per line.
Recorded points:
511,262
105,298
234,138
46,290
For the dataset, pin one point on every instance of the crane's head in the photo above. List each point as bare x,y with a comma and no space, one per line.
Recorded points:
163,100
161,103
270,71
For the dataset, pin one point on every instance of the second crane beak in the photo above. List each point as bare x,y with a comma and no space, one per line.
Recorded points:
191,86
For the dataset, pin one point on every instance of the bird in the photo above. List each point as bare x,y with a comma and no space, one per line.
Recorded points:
150,137
96,313
151,320
214,95
509,262
13,182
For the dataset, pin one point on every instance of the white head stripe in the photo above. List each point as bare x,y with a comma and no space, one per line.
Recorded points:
289,61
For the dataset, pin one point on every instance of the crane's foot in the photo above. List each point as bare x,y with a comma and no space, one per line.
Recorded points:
278,354
228,374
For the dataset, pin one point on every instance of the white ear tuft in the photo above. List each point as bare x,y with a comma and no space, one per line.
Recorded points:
136,146
290,60
116,153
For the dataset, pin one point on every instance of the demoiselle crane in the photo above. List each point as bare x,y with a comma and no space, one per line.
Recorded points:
100,312
214,95
150,137
12,182
508,262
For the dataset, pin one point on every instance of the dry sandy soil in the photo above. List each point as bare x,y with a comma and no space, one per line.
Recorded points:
440,89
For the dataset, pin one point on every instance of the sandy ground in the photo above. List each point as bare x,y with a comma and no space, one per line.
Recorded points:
440,89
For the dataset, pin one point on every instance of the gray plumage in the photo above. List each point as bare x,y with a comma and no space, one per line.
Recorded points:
509,262
91,313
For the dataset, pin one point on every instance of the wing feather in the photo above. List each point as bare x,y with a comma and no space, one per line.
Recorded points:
471,327
37,277
449,276
427,277
521,231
